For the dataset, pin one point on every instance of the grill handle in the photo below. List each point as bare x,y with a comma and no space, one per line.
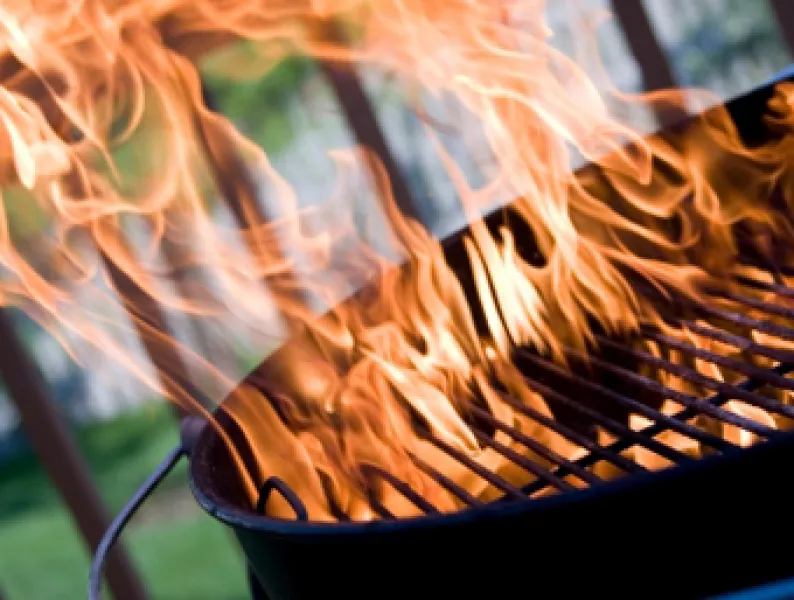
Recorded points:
189,430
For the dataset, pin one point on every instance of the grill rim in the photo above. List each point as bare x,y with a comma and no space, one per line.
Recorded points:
225,511
303,560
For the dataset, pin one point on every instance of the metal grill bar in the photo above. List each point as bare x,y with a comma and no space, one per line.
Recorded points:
274,484
333,503
779,310
554,478
621,445
498,482
688,413
607,423
537,447
524,462
727,389
563,474
599,452
777,288
627,438
698,405
743,320
738,366
639,407
740,342
379,508
399,485
460,492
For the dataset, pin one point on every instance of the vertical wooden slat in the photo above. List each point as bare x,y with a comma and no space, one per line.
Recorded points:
363,122
146,315
60,456
229,172
238,190
784,11
174,253
647,50
152,329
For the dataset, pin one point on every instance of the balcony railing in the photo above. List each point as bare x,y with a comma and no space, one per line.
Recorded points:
51,439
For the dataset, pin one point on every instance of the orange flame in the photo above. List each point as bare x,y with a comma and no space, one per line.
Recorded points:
385,380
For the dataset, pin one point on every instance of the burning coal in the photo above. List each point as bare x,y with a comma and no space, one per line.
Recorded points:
379,381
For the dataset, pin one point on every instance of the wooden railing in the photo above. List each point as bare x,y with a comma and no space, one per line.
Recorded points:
50,438
784,13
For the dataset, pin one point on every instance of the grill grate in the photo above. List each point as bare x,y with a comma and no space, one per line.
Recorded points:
624,386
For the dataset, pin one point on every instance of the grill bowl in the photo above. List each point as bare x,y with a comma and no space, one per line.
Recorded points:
701,528
716,525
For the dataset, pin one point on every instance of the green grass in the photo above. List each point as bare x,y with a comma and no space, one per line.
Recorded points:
182,555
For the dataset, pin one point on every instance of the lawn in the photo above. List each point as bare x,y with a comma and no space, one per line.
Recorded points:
181,552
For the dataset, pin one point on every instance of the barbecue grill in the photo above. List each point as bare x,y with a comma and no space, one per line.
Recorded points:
704,526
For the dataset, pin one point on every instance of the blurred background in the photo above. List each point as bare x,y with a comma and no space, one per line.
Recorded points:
121,432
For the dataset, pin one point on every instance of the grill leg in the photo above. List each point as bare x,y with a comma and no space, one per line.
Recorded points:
257,593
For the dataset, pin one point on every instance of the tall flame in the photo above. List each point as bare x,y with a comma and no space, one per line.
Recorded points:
386,380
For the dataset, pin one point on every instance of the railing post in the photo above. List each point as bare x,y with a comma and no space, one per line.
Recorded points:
239,192
60,456
160,345
784,11
644,45
150,323
363,123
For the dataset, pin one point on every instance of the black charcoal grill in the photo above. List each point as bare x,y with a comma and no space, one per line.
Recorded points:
702,527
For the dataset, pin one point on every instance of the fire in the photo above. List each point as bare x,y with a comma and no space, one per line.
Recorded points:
390,378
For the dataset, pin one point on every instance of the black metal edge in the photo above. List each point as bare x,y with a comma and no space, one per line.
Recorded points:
240,518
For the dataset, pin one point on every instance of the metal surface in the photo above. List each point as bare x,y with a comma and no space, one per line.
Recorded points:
633,528
686,531
684,528
779,590
190,428
274,484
